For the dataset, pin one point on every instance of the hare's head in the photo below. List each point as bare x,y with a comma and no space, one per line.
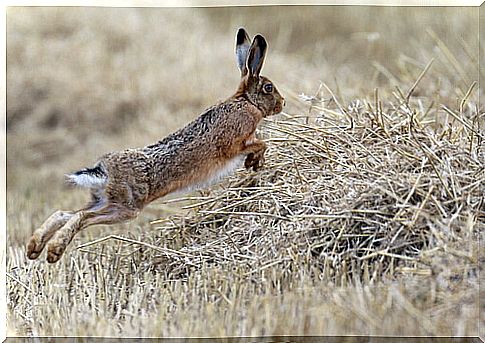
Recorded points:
256,88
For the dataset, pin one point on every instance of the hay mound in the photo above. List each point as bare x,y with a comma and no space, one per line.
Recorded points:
360,192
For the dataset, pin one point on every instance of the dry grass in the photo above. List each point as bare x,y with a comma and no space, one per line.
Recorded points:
365,220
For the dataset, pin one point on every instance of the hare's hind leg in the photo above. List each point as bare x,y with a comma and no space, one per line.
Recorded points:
42,235
108,214
57,220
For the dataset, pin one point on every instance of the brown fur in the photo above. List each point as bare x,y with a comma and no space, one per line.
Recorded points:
122,183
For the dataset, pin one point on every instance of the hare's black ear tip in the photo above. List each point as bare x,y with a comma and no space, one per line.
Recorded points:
260,40
241,35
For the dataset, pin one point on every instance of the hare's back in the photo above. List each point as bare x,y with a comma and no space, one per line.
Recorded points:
130,163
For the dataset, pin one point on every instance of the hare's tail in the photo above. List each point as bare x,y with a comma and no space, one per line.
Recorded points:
95,177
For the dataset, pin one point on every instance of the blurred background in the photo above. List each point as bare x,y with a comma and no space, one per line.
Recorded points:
85,81
82,82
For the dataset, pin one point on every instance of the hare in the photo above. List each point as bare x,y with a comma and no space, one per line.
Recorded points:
200,154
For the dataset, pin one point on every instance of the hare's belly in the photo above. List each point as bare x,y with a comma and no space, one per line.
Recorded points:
215,175
227,169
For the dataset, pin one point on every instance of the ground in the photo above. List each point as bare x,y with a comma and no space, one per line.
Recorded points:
364,220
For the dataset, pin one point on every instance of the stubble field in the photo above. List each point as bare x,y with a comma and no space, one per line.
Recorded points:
365,219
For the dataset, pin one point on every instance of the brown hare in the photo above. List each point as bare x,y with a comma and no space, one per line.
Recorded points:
200,154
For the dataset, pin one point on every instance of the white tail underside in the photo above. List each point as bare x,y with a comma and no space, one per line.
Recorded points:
87,180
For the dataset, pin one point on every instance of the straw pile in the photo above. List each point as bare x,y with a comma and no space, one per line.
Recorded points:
356,193
370,194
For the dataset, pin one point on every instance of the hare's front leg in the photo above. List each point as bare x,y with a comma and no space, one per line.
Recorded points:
255,154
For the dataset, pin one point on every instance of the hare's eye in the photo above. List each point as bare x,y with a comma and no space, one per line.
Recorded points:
268,88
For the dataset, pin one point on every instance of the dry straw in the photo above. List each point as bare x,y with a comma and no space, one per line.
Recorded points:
356,193
386,186
348,197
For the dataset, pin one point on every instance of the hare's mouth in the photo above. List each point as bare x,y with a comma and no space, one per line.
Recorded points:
278,108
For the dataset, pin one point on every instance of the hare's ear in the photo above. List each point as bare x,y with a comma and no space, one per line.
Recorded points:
256,55
242,47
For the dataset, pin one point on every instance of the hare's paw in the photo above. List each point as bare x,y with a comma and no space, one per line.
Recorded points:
254,161
249,161
43,234
54,252
35,247
56,246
